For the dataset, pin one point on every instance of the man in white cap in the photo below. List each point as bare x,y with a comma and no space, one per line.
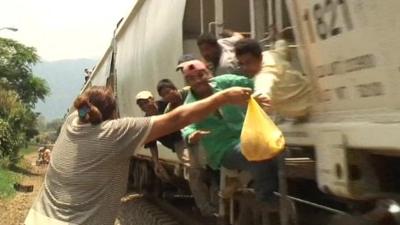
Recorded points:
151,107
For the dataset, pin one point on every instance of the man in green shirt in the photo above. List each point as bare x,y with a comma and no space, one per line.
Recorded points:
220,132
192,156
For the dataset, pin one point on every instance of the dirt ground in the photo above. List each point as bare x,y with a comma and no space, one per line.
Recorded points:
13,211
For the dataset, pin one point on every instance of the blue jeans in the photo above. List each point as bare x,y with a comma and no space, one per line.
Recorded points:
265,173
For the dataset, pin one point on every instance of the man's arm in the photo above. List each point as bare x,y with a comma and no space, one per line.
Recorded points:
159,170
226,33
152,145
194,112
230,39
263,83
237,35
230,80
187,131
154,153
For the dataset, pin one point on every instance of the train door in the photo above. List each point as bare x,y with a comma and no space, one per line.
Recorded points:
213,16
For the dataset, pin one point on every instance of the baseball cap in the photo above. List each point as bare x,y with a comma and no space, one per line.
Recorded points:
183,59
144,95
192,66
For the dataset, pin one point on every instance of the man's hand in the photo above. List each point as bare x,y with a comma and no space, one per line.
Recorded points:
195,137
226,33
160,171
229,33
236,95
264,101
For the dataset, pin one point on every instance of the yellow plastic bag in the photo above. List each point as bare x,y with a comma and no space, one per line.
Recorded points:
261,139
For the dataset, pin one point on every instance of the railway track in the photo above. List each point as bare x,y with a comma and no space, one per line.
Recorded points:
140,210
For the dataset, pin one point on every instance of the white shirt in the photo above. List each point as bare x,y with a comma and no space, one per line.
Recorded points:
228,63
288,89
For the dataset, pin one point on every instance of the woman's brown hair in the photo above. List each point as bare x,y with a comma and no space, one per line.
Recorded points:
95,105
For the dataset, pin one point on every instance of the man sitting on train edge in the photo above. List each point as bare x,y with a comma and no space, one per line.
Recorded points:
170,94
275,78
220,54
150,107
219,133
194,158
173,98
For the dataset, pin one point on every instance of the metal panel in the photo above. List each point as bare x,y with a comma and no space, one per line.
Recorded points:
149,46
257,19
332,173
219,16
102,71
353,52
237,15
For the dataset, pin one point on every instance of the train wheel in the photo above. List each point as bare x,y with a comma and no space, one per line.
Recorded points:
142,212
385,212
141,176
249,211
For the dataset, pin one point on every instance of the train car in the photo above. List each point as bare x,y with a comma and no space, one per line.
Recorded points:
346,154
348,52
148,43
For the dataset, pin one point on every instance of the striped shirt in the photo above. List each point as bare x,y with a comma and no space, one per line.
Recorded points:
88,172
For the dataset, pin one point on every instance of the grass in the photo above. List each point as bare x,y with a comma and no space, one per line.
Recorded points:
28,150
7,180
9,177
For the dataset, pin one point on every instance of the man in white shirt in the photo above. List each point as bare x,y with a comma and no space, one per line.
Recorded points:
274,77
220,54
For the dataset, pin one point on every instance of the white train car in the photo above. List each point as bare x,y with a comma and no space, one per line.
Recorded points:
349,49
148,43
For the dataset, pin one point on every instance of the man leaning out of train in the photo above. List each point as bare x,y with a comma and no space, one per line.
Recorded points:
151,107
219,133
288,90
219,53
203,181
88,170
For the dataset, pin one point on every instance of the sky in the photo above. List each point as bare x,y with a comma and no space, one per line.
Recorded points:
63,29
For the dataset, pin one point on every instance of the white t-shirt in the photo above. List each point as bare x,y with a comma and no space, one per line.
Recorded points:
228,63
288,89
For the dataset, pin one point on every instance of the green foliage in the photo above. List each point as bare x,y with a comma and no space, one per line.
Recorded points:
7,180
15,121
31,148
16,61
19,92
7,142
55,124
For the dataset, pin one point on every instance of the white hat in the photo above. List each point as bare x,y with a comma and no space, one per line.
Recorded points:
144,95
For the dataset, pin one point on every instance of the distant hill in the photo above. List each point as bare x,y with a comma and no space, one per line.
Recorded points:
65,78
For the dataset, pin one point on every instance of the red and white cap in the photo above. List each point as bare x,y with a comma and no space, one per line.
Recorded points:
191,67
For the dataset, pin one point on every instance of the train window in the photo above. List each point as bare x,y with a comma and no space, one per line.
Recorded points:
278,26
237,16
198,14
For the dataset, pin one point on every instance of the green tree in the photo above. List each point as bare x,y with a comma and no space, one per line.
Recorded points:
19,92
15,124
41,123
16,61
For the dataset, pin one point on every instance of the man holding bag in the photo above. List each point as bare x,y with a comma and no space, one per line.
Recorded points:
220,132
275,78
